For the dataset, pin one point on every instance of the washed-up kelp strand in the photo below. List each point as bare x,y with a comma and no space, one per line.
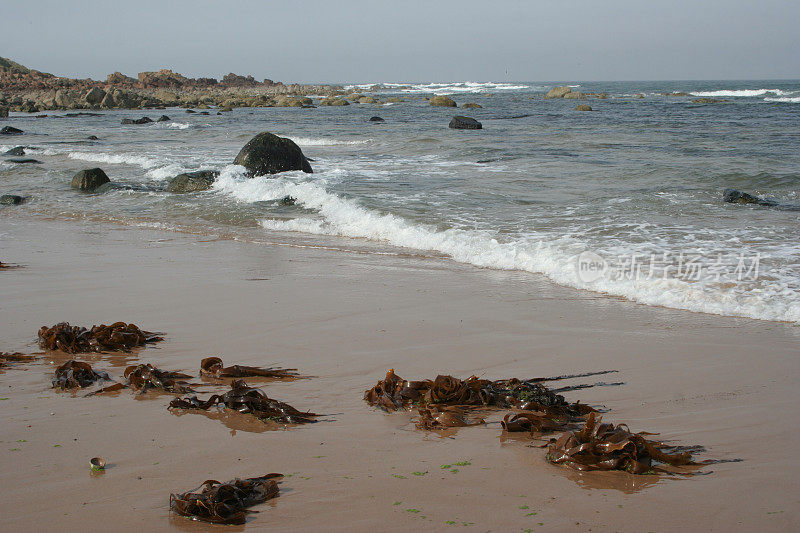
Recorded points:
15,357
77,374
572,376
393,392
570,388
145,376
445,417
225,503
246,399
74,339
604,446
213,367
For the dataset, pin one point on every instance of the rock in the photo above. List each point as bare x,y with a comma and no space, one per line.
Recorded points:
108,101
92,138
90,179
191,111
558,92
192,181
471,105
10,199
163,118
575,95
17,151
287,200
269,154
334,102
733,196
708,101
3,112
442,101
465,123
10,130
226,109
583,107
22,161
367,100
640,96
204,113
143,120
376,119
394,100
94,96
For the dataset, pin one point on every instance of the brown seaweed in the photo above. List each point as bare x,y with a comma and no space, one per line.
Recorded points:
75,339
143,377
213,367
246,399
77,374
604,446
445,417
541,418
15,357
225,503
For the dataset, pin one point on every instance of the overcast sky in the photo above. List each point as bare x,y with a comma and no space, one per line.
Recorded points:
464,40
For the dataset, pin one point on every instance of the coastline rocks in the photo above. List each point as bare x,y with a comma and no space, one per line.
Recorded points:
732,196
367,100
442,101
143,120
558,92
163,118
334,102
394,100
583,107
708,101
192,181
10,199
10,130
3,112
94,96
465,123
287,200
376,119
267,153
574,95
89,179
471,105
16,151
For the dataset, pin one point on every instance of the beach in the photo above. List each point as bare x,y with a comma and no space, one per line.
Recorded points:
344,316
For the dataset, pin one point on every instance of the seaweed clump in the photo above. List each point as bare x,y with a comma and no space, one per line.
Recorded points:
77,374
119,336
445,417
15,357
225,503
213,367
246,399
143,377
604,446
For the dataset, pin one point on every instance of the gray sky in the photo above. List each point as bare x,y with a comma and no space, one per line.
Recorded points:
465,40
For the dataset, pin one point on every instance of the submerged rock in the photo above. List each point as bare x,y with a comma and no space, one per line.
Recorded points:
163,118
143,120
22,161
89,179
192,181
92,138
10,199
465,123
471,105
442,101
558,92
10,130
17,150
583,107
733,196
708,101
267,153
376,119
574,95
287,200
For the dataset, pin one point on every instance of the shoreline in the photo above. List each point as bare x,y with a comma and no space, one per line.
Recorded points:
721,382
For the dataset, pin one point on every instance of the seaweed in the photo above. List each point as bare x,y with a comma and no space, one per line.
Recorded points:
213,367
75,339
15,357
604,446
542,418
246,399
143,377
77,374
445,417
225,503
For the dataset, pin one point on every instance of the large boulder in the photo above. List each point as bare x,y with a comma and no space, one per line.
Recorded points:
16,151
442,101
465,123
10,130
269,154
332,101
143,120
376,119
733,196
163,118
90,179
583,107
471,105
192,181
10,199
575,95
558,92
94,96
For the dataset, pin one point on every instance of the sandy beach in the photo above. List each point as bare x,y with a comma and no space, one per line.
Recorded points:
727,384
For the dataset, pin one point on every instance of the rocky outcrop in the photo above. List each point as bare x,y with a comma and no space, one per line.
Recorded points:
442,101
708,101
267,153
94,96
192,181
89,180
11,199
234,80
558,92
334,102
10,130
367,100
143,120
583,107
465,123
16,151
738,197
3,111
163,118
574,95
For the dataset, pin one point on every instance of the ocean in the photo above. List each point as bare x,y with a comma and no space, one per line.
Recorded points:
625,200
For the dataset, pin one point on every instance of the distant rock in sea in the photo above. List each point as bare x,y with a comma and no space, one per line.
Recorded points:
465,123
192,181
442,101
267,153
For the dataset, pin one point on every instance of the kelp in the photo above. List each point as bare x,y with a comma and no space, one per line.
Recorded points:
213,367
445,417
77,374
225,503
604,446
246,399
541,418
393,393
15,357
144,377
75,339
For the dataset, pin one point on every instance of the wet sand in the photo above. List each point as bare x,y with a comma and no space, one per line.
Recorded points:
726,383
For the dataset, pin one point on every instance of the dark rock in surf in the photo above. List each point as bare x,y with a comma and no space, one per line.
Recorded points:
442,101
376,119
92,138
89,180
583,107
23,160
471,105
3,112
163,118
143,120
191,111
267,153
287,200
17,151
192,181
10,130
11,199
465,123
204,113
733,196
